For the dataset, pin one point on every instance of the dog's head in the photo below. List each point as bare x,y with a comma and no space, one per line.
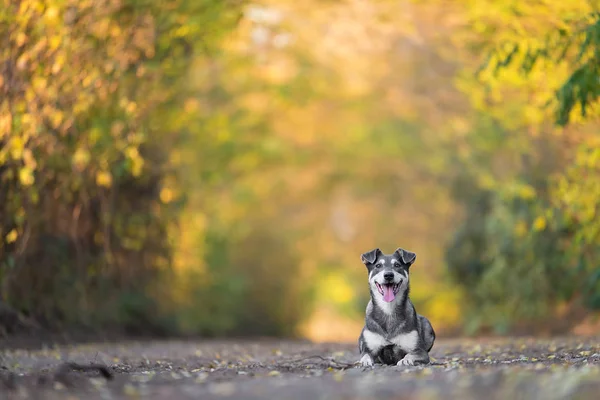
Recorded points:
388,274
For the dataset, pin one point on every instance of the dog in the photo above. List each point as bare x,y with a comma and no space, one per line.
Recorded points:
394,334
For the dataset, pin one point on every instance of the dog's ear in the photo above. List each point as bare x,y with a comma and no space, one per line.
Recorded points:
407,257
370,256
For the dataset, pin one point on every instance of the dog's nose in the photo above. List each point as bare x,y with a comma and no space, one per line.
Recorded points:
388,276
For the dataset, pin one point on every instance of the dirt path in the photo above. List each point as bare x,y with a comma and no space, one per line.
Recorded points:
567,368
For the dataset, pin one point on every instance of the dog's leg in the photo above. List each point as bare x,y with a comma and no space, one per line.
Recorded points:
418,357
427,333
366,360
366,350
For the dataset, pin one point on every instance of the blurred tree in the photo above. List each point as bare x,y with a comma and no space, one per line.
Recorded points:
526,250
89,91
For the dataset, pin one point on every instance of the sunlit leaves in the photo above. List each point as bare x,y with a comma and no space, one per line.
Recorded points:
539,224
575,44
65,79
89,92
578,193
11,236
570,48
26,176
103,178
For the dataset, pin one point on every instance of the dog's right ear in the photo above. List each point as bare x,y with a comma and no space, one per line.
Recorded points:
407,257
370,256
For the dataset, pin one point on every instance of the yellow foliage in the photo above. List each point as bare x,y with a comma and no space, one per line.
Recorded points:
103,178
81,158
335,288
12,236
26,176
444,309
520,229
191,105
526,192
539,224
17,145
166,195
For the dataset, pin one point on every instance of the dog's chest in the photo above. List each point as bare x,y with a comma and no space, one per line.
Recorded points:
406,341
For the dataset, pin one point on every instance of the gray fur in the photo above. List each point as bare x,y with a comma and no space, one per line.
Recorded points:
394,333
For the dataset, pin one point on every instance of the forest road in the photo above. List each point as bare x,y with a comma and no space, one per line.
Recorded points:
507,368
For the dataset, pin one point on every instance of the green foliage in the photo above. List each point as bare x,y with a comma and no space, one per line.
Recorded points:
251,287
516,266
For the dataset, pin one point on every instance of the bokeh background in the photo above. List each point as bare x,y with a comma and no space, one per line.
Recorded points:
216,167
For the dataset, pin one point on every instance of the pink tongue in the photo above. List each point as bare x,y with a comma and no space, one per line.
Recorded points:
388,293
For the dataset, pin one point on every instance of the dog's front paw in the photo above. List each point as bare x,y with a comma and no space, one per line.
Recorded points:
406,361
414,359
366,361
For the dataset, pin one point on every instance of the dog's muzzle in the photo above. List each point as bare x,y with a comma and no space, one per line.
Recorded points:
388,290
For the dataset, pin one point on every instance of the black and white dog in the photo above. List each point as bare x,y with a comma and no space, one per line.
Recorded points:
394,334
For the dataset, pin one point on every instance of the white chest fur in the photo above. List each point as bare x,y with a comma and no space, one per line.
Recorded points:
406,341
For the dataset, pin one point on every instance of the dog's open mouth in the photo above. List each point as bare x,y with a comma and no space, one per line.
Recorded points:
389,291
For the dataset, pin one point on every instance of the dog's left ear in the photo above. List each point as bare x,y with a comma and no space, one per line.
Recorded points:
370,256
407,257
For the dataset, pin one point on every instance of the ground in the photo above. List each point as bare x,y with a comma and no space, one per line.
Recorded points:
488,369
